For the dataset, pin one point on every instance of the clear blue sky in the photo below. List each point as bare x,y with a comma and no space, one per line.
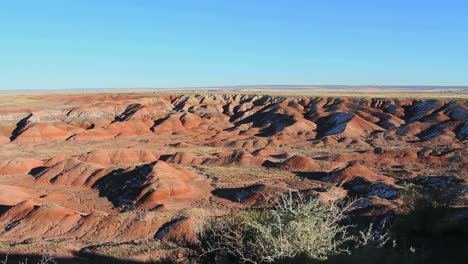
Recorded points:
60,44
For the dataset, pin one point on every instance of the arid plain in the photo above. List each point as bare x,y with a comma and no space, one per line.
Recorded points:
128,175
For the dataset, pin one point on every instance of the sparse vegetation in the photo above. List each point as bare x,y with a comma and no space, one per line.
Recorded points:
296,228
44,259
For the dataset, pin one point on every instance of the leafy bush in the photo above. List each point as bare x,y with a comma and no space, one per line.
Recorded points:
295,228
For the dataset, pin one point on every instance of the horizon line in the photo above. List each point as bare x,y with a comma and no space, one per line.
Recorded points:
273,86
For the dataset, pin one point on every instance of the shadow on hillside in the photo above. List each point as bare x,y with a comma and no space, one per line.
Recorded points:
236,194
311,175
110,186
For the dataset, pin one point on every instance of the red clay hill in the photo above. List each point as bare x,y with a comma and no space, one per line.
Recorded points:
85,170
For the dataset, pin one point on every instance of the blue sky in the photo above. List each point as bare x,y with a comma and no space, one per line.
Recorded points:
65,44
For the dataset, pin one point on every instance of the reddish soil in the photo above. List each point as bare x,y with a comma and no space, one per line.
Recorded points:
79,170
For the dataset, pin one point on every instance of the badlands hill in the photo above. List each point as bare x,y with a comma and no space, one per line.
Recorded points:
81,171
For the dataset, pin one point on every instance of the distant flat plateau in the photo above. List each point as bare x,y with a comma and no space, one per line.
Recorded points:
384,91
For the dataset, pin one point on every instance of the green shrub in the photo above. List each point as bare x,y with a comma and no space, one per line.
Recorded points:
293,229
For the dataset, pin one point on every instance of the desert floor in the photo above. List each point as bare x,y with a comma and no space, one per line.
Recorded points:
128,175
